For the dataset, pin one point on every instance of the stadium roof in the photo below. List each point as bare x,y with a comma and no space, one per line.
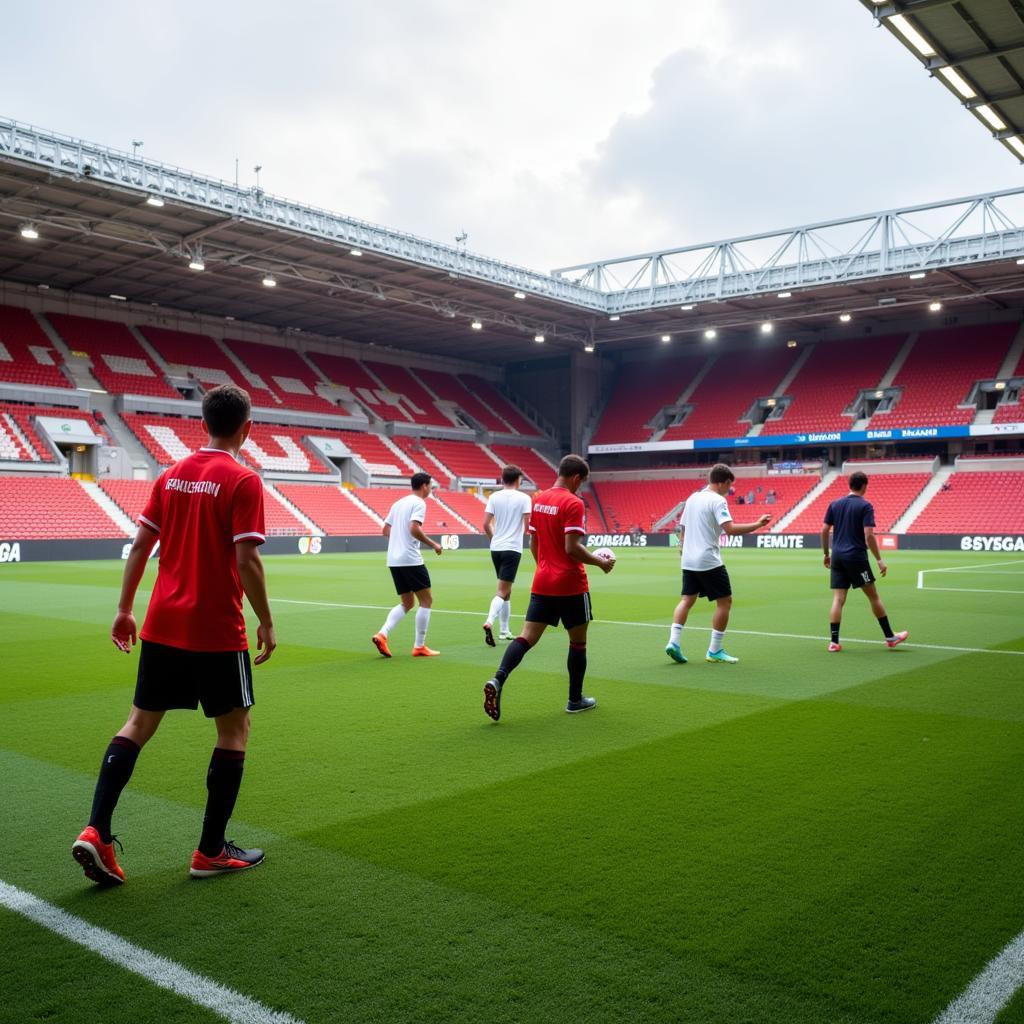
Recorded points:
114,224
975,48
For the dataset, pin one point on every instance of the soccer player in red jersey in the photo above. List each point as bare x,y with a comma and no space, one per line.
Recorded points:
560,591
207,513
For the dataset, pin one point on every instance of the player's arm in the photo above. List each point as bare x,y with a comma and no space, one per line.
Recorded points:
526,522
738,529
577,551
489,524
826,531
386,529
872,541
254,583
533,546
123,632
416,529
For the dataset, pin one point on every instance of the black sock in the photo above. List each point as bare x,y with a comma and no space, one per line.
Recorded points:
886,628
116,770
514,653
222,782
834,630
577,665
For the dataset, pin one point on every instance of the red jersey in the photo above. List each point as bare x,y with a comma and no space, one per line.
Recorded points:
201,508
557,512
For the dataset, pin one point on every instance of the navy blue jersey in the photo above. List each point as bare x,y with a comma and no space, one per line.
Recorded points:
848,516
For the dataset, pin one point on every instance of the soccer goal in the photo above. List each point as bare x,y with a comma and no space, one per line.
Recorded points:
987,578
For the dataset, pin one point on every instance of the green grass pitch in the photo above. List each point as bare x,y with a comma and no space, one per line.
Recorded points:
802,837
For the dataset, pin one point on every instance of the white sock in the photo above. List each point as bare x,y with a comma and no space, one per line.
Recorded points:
495,609
675,634
505,615
422,621
395,616
717,639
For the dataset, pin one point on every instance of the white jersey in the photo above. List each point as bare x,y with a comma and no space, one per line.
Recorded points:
702,519
508,508
403,547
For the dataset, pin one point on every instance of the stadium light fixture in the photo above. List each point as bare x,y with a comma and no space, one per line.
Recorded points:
476,325
912,36
29,231
958,82
845,318
1017,145
879,394
770,403
519,295
710,334
935,306
355,252
615,318
791,343
269,281
687,307
118,298
767,327
539,338
1020,262
993,119
784,295
917,275
666,338
196,263
1000,385
154,201
589,347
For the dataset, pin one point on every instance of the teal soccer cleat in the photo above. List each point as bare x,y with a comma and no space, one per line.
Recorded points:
721,657
675,653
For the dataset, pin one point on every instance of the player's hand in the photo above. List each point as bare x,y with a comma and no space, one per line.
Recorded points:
438,549
123,632
882,568
827,561
606,563
764,520
266,641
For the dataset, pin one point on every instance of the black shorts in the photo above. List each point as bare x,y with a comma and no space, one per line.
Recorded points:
571,611
506,564
709,583
851,572
410,578
170,678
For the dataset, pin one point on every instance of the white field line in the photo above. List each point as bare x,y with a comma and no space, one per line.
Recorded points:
967,590
230,1005
985,997
664,625
983,565
921,573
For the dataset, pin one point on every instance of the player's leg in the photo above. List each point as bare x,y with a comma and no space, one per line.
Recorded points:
717,588
892,639
835,617
505,612
426,602
533,630
674,647
395,616
576,663
500,597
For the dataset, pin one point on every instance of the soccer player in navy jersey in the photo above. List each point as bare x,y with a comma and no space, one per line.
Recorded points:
851,522
207,513
560,590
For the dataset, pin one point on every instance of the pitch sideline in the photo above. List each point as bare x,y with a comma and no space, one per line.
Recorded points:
224,1001
982,1000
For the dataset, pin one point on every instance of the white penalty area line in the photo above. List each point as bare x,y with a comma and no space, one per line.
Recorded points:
664,625
982,1000
225,1002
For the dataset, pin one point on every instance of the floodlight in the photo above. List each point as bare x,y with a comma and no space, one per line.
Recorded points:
1000,385
1020,263
958,82
519,295
589,347
912,36
767,327
687,307
29,231
770,403
615,318
917,275
196,263
991,117
845,318
119,298
666,338
355,252
710,334
269,281
476,325
1017,145
154,201
784,295
879,394
539,338
791,343
935,306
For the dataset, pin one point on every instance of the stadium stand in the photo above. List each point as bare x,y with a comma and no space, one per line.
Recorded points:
33,508
17,422
330,509
642,390
830,380
534,465
463,458
467,505
352,374
1012,412
27,355
729,389
120,364
492,397
975,502
130,496
284,373
939,372
415,449
200,357
889,493
449,388
417,404
439,519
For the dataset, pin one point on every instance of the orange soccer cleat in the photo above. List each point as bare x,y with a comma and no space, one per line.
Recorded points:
97,857
380,641
231,859
424,652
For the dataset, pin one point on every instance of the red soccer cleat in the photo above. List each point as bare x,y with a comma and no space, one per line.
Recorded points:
835,647
97,857
380,641
896,639
424,652
231,859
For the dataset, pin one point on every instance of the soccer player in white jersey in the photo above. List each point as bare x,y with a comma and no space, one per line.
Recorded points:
506,519
705,518
404,531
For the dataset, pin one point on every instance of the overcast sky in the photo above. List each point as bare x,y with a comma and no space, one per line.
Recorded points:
553,132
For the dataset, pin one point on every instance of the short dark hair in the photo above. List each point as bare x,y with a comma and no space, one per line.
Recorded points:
418,480
510,474
858,480
225,408
721,474
574,465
